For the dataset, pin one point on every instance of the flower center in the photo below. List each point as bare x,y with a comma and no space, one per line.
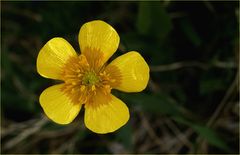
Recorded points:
85,80
90,78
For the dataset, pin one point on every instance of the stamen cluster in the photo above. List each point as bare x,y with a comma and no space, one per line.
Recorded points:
83,82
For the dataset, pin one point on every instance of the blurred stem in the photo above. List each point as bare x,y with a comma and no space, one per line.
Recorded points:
182,137
150,130
223,102
179,65
26,133
209,6
218,111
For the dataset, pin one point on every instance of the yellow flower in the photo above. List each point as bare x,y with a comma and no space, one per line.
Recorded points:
88,80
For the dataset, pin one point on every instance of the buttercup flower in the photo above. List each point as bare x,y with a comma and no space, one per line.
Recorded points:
88,80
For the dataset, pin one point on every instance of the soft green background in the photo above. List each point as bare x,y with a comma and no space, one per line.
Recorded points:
191,104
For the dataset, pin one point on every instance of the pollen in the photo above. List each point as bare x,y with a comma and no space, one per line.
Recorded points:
85,79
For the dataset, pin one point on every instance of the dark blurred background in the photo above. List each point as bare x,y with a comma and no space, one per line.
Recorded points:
191,104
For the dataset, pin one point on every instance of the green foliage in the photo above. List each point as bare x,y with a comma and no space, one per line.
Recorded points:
190,32
162,104
124,135
210,85
153,19
164,32
210,136
205,132
156,104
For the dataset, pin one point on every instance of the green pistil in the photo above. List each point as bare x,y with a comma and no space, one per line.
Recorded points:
90,78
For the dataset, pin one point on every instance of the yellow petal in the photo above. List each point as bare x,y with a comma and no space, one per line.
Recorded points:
53,56
98,36
57,106
106,115
134,72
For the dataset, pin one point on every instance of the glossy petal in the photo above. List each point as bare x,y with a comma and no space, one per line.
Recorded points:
98,36
53,56
134,72
106,116
57,106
